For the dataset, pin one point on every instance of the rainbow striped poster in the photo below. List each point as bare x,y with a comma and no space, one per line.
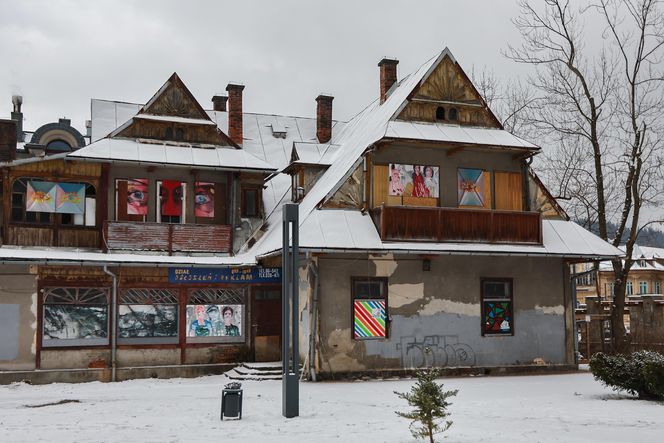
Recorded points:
369,318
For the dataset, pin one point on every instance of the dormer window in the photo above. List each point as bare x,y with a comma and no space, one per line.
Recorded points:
179,134
453,114
169,134
440,113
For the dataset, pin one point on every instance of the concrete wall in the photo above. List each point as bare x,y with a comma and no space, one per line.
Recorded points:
18,318
439,310
435,156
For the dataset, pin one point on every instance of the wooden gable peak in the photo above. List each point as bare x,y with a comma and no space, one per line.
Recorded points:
443,88
174,99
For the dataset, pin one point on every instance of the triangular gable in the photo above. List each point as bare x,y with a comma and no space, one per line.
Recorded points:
174,99
447,86
175,106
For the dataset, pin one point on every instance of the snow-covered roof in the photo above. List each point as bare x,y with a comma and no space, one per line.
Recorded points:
441,132
645,259
16,254
158,152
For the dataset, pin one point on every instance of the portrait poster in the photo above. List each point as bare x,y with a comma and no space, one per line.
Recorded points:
171,193
472,187
369,318
413,180
70,198
40,197
214,320
137,196
204,200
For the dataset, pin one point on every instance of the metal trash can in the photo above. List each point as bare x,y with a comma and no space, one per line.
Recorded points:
231,401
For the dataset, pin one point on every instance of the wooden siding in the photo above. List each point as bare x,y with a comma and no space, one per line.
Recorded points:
21,235
509,191
451,224
167,237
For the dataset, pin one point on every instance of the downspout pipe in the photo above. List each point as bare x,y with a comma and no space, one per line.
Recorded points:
313,317
114,323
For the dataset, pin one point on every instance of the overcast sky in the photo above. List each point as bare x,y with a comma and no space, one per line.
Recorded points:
60,54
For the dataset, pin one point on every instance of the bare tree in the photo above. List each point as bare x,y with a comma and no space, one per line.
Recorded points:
602,110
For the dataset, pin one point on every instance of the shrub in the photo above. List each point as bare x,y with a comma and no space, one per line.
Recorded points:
430,402
640,373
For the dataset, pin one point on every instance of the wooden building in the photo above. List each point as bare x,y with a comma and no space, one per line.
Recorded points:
426,238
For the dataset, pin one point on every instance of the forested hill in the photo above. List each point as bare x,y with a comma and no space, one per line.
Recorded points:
650,236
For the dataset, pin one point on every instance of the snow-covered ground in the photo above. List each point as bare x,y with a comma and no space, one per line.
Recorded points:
565,408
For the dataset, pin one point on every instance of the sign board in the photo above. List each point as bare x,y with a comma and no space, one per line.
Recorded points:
253,274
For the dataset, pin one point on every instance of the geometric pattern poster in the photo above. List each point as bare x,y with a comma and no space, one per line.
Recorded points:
497,317
413,181
472,187
70,198
369,318
40,197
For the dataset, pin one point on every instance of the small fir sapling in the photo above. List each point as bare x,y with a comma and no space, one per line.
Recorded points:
430,402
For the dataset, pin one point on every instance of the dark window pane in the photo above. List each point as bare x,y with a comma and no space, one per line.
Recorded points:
440,113
368,289
17,200
31,217
496,289
250,198
17,214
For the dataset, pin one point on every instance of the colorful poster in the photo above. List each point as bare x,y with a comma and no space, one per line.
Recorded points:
204,199
472,187
413,181
137,196
170,195
369,318
70,198
40,197
498,317
214,320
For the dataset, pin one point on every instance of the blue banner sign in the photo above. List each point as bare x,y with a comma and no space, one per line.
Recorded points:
254,274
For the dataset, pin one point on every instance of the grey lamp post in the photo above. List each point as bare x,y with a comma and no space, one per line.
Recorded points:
290,359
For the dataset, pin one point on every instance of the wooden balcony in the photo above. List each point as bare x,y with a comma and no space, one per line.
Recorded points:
398,223
167,237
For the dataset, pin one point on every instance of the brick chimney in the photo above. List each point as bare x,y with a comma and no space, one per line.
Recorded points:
17,115
235,112
324,118
7,140
219,102
388,76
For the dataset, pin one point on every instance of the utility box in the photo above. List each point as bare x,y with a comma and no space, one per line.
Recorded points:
231,401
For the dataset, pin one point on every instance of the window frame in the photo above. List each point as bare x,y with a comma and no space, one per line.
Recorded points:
629,288
510,298
385,285
150,301
183,206
643,284
658,287
51,343
257,201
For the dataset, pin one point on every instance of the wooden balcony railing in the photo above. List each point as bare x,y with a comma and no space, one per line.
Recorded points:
397,223
167,237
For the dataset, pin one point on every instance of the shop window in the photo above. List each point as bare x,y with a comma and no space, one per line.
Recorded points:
215,315
251,202
131,199
44,202
497,307
643,287
75,317
171,201
148,316
473,188
369,295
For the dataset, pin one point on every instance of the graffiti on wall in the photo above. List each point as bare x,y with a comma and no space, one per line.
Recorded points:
434,350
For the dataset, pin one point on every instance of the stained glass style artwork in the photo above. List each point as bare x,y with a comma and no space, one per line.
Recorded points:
472,187
70,198
369,319
497,317
204,199
40,197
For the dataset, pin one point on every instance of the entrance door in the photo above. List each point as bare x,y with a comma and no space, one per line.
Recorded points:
266,323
